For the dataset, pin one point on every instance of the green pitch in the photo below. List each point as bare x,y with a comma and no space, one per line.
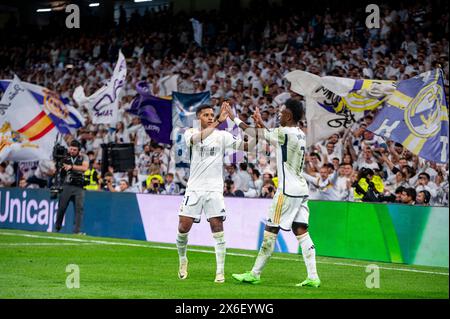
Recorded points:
33,265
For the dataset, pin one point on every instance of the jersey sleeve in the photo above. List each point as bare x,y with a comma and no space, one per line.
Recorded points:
188,135
230,141
274,136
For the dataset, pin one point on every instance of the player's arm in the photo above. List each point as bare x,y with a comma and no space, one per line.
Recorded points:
251,132
272,136
203,134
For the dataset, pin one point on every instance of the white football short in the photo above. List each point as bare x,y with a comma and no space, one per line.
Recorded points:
286,210
211,203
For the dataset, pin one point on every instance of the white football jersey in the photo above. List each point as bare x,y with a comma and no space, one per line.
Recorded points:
290,143
206,158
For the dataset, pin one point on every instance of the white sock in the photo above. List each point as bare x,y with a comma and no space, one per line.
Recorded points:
182,239
309,255
220,249
266,250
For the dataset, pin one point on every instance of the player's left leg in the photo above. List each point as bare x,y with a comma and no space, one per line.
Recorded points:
266,250
215,212
216,224
278,208
300,229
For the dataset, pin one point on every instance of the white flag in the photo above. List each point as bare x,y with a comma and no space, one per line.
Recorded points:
325,111
198,31
103,105
167,85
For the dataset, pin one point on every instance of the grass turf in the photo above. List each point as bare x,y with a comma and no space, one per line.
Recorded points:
35,267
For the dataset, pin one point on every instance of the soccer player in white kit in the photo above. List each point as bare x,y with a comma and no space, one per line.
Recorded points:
289,208
204,190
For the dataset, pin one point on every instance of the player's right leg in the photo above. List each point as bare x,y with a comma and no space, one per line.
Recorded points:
190,212
184,225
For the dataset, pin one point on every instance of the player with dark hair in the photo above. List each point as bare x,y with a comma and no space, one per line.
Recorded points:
289,208
205,185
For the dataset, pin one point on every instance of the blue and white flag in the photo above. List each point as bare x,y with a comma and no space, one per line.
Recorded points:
416,116
103,105
198,31
184,107
63,115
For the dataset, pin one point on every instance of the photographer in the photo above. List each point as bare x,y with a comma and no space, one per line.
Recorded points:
268,190
154,186
369,187
107,183
73,167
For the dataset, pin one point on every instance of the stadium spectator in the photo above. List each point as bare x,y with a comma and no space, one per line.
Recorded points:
248,70
424,184
170,187
324,186
123,187
230,190
255,185
423,198
23,183
398,194
408,196
6,175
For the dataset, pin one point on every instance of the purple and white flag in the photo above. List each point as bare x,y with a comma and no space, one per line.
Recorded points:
103,105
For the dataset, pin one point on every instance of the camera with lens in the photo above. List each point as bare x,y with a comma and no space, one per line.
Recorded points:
59,154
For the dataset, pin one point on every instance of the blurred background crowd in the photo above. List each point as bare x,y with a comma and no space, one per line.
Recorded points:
244,55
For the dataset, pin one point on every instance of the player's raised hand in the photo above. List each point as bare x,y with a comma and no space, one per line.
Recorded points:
257,118
223,112
230,111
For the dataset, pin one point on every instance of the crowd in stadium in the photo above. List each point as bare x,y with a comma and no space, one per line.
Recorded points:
243,59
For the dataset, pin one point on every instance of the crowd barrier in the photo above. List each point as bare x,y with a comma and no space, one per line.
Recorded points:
378,232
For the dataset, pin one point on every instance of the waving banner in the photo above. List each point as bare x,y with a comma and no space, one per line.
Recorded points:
416,116
103,105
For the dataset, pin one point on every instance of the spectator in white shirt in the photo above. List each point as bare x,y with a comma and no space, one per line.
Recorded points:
367,160
324,185
424,183
6,175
